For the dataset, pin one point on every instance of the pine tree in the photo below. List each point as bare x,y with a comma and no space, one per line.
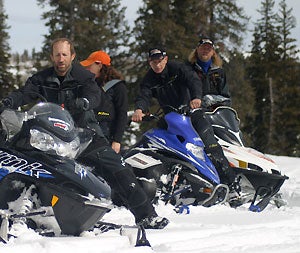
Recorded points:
222,20
287,87
156,26
6,78
91,24
286,22
274,73
262,69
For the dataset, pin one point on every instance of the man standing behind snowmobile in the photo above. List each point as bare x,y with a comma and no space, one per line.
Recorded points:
205,61
173,84
74,87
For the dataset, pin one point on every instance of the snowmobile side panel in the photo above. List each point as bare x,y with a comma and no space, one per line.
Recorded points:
72,212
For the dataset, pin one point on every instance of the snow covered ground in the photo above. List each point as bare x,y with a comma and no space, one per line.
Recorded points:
214,229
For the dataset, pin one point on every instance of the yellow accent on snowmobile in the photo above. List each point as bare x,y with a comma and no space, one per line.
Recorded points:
103,113
54,200
243,164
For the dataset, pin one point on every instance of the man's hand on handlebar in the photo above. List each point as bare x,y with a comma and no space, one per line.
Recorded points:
137,116
195,103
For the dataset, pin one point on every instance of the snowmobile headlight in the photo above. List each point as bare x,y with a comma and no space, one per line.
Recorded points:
45,142
195,150
68,149
41,141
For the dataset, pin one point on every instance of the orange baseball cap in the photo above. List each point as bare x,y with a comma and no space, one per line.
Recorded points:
97,56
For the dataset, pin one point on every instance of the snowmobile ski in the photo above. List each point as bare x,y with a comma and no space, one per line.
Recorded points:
141,239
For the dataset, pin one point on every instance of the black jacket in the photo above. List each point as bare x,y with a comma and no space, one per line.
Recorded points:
214,81
175,86
77,83
116,106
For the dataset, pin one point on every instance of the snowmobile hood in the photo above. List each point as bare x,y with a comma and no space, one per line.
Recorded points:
248,158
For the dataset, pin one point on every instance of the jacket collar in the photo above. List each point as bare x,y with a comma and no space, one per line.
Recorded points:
212,66
55,78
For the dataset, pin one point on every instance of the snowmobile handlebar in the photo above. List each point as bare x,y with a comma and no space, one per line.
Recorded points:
211,102
182,109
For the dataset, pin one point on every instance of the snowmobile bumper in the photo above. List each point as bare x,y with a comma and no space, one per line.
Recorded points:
74,213
263,185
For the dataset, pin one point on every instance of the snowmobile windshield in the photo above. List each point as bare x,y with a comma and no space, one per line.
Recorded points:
53,119
52,130
226,117
11,122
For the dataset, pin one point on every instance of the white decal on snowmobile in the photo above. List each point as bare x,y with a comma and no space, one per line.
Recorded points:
197,139
60,123
16,164
154,143
80,170
8,160
142,161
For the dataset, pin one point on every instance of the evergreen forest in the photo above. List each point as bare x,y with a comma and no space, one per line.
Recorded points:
264,82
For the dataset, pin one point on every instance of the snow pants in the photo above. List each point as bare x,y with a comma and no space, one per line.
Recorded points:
212,147
120,177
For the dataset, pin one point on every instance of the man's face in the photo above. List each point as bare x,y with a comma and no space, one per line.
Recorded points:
158,65
205,52
62,57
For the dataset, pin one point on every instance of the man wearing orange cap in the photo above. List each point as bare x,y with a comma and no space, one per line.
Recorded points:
112,111
72,86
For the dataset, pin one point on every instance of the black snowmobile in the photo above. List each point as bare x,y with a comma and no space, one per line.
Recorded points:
39,173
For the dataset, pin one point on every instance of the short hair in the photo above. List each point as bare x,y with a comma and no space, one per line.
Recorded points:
72,48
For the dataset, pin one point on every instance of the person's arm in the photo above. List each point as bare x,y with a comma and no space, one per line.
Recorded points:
143,100
24,95
224,87
92,93
194,84
120,102
90,89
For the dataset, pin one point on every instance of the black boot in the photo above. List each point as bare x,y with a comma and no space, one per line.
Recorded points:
154,222
137,201
215,153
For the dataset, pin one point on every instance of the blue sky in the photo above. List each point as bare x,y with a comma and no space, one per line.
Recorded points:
27,28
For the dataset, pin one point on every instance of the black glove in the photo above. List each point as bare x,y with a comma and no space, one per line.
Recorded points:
7,102
82,104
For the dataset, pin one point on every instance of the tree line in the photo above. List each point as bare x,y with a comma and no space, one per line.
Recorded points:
264,82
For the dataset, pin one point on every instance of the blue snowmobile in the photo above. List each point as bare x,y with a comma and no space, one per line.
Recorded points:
172,166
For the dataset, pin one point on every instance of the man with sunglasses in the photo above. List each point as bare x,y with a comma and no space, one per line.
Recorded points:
174,84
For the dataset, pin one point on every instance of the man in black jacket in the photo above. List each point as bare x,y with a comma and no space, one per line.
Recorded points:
74,87
205,61
173,84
